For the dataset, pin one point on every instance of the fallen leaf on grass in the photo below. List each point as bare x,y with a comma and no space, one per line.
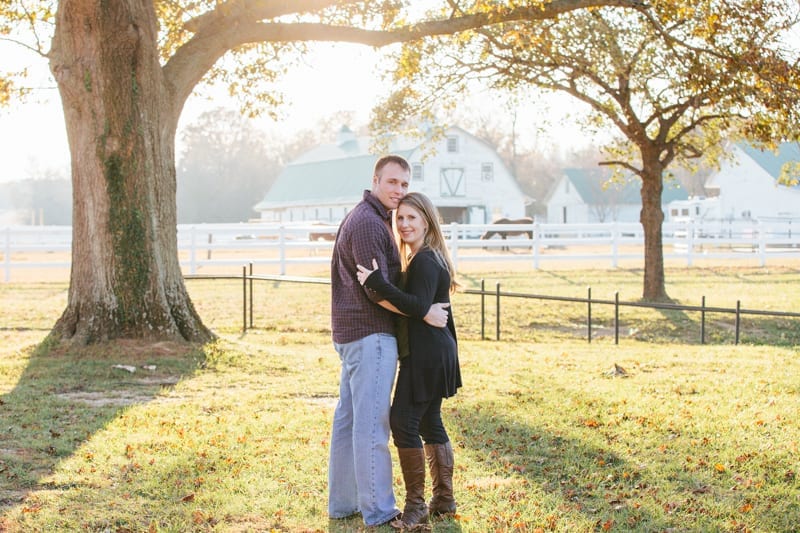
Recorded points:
616,371
188,498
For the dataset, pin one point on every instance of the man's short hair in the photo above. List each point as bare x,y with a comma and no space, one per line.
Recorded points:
391,158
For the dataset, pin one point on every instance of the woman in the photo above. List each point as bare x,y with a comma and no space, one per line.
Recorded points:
431,371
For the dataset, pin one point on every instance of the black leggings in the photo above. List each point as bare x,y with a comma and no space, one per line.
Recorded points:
410,420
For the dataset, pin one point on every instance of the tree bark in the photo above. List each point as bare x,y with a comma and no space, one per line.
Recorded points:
125,280
652,218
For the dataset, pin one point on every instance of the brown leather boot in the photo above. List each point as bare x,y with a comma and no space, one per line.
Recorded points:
441,460
415,512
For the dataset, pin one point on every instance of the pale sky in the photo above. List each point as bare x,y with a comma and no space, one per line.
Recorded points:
340,77
34,138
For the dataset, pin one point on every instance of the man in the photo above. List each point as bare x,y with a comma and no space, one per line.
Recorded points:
360,468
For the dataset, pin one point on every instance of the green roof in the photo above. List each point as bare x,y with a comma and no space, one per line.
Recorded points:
334,179
771,161
331,173
593,183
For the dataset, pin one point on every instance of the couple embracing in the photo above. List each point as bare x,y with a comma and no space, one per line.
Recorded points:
389,302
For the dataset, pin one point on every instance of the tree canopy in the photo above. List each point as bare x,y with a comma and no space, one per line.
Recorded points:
674,80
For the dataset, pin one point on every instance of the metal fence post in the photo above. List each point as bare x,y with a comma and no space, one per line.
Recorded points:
498,313
616,317
251,295
738,318
244,299
589,313
703,321
483,309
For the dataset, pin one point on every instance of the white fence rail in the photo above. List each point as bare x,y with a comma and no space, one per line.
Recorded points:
204,245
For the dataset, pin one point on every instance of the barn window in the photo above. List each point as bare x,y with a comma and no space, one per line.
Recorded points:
452,144
487,172
416,172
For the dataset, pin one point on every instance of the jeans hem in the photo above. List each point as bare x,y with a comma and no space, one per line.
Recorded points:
391,516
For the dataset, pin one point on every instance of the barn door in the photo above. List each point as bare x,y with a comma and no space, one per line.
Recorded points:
452,182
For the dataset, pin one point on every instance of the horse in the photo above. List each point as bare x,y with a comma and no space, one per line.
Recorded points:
509,233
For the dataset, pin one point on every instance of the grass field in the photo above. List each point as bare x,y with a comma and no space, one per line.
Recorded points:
233,436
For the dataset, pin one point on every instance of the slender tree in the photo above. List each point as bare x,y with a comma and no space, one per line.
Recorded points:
673,80
124,69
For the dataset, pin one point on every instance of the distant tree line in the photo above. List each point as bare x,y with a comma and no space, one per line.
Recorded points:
227,165
41,200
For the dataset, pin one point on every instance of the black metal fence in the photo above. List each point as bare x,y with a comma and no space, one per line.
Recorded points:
737,311
248,278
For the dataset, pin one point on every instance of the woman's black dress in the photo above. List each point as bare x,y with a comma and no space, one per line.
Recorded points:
433,358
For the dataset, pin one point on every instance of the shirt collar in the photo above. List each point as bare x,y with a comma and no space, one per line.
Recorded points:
372,200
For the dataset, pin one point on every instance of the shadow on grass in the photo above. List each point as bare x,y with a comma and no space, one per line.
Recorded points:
720,328
64,397
563,476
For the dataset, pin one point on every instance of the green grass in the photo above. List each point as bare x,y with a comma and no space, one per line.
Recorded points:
233,436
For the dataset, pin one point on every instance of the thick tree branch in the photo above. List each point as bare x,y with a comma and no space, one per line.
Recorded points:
236,11
242,24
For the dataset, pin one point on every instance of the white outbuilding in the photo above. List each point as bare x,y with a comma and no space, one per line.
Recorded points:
464,177
749,186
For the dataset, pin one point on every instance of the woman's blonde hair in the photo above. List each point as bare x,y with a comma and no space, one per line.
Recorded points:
433,240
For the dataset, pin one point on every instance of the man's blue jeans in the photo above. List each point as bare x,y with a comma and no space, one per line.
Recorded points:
360,468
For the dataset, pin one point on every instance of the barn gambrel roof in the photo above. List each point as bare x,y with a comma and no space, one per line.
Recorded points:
315,177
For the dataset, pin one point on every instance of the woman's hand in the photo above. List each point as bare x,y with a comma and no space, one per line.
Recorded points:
363,272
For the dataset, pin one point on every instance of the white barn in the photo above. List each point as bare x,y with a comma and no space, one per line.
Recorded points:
748,186
585,195
463,176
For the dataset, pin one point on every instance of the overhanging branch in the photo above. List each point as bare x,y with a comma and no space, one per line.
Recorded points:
241,22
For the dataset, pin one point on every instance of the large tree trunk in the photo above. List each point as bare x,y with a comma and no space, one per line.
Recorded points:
652,218
121,121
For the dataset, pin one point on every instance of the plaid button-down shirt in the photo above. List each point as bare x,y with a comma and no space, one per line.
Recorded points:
365,234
